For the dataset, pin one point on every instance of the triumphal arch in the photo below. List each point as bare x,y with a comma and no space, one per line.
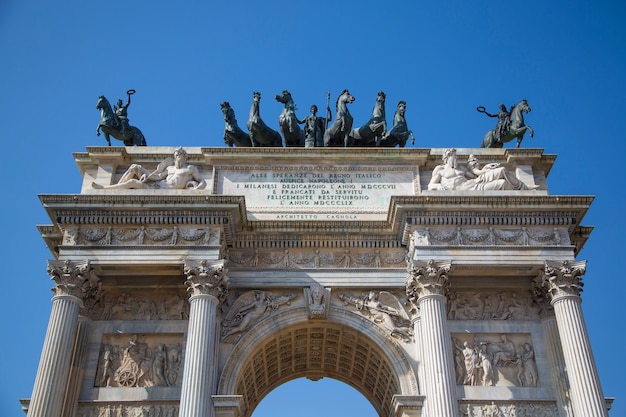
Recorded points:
437,282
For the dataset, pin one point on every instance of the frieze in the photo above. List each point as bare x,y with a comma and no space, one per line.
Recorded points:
317,258
142,235
139,360
128,410
492,305
136,305
495,360
491,236
508,409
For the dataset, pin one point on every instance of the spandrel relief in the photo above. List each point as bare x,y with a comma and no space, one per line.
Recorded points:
495,360
248,309
136,305
492,305
139,360
385,309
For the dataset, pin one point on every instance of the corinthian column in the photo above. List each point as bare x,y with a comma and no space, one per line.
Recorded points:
563,283
206,284
73,281
427,286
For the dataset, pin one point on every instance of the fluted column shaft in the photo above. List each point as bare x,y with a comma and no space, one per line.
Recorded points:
557,366
206,285
564,285
50,386
429,285
70,403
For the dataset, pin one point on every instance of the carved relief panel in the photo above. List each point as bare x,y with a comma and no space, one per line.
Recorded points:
492,236
492,305
139,360
154,235
319,258
494,360
137,305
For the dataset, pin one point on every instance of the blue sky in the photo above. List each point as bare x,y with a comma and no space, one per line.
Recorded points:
567,58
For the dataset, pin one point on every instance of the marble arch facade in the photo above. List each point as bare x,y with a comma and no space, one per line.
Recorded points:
432,296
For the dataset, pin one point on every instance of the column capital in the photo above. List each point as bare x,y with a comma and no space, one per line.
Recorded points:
563,279
427,278
206,278
72,278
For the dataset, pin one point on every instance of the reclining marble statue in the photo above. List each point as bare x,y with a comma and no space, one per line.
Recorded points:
451,176
171,174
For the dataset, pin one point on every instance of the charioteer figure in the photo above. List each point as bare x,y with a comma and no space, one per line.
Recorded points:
314,128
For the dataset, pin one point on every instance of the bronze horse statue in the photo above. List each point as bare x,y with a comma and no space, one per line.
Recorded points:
111,125
516,130
338,134
293,134
371,133
260,134
400,132
233,135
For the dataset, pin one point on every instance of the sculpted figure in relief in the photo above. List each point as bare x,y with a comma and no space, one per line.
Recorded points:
529,377
247,310
470,358
383,307
317,300
171,174
450,176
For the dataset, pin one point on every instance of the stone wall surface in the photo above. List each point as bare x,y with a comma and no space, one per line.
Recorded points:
235,270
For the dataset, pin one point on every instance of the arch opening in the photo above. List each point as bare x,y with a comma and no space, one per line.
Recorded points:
327,397
316,350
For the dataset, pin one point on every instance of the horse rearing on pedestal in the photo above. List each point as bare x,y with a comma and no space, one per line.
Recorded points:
338,134
516,131
110,126
293,134
260,134
372,132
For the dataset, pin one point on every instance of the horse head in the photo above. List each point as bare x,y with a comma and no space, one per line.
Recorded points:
227,111
523,106
379,107
380,98
284,97
103,103
256,97
345,97
400,110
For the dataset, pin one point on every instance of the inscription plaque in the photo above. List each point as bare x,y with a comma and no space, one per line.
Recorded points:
317,193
